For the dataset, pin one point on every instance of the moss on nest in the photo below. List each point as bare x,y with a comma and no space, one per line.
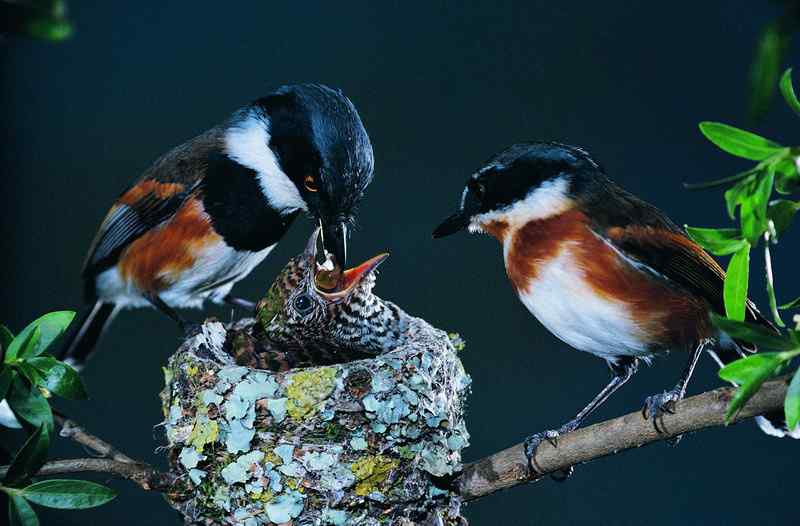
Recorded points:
354,443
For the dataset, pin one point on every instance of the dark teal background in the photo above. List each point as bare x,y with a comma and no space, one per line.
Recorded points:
440,88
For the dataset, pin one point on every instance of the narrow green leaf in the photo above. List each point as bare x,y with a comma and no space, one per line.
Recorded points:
735,194
6,375
29,337
68,494
6,337
750,368
717,182
765,70
29,458
754,207
787,180
29,404
738,142
787,90
758,334
736,283
750,372
59,377
791,305
768,277
20,513
51,326
781,212
719,241
791,404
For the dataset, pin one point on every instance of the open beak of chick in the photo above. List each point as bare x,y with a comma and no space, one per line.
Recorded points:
330,281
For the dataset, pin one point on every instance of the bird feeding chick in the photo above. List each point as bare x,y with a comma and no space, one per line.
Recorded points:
315,314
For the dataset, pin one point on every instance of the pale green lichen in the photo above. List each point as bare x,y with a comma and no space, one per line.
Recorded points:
320,445
307,389
371,472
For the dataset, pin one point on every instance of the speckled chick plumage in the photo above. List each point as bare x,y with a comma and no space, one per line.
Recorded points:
300,325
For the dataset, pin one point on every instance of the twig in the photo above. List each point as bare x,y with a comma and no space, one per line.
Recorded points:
508,468
147,477
112,461
70,429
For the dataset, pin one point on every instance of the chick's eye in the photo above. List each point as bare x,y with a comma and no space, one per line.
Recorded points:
303,304
310,183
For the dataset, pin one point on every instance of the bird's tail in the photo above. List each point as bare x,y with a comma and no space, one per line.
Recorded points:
81,336
728,350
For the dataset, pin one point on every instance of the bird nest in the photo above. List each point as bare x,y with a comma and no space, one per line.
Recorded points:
364,442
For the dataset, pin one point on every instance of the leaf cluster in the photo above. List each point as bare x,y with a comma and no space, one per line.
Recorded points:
29,375
749,200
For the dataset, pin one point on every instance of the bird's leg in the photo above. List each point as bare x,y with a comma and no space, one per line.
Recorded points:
622,371
655,406
242,303
189,328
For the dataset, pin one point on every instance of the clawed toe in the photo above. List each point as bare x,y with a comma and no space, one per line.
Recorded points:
533,442
657,405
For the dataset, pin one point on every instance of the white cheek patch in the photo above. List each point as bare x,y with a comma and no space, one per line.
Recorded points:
547,200
248,144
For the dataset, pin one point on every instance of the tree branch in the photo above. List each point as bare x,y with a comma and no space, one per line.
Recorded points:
509,467
112,461
147,477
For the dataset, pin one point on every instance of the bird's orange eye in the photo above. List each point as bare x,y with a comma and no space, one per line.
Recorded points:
310,183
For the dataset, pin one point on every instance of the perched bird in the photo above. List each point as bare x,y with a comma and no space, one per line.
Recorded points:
604,271
303,321
210,210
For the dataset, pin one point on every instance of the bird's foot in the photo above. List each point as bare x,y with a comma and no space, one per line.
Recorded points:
533,442
660,404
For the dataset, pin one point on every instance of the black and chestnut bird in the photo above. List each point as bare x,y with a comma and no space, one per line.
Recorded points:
604,271
210,210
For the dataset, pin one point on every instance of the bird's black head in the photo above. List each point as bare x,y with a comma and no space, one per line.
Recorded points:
524,182
311,152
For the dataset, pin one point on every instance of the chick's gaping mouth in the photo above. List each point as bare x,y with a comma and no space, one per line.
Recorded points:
330,281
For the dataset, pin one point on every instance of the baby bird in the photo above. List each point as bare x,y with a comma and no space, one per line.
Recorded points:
311,316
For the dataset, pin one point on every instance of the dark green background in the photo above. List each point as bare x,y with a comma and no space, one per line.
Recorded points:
440,88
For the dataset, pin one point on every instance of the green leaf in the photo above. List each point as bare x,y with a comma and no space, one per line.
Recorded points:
736,283
29,404
750,368
68,494
20,513
773,302
51,326
735,194
781,212
59,377
787,180
764,71
30,373
791,305
6,376
787,90
719,241
750,372
754,207
738,142
758,334
791,404
29,458
6,337
28,338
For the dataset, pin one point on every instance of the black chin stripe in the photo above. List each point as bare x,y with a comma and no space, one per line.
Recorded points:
238,209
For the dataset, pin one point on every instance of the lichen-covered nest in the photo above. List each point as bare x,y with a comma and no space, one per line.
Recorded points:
365,442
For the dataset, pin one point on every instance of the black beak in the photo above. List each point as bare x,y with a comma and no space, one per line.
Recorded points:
334,240
452,224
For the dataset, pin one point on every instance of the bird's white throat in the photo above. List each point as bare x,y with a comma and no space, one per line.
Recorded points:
247,142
